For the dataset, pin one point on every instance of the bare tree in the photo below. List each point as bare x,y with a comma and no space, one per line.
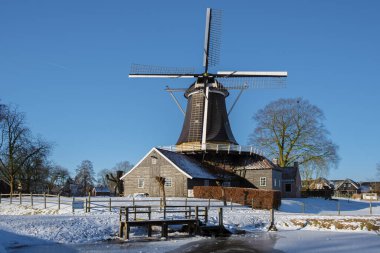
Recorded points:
161,183
111,177
85,177
17,145
292,130
57,177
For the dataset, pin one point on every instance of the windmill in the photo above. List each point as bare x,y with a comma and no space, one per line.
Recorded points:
206,119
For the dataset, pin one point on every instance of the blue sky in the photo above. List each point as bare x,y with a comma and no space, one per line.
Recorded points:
66,64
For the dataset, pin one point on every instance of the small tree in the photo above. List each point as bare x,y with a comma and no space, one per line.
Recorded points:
219,182
85,177
161,183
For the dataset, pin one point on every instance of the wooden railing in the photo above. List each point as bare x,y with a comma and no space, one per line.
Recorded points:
229,148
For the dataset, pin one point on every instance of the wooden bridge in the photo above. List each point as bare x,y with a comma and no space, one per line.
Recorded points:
191,216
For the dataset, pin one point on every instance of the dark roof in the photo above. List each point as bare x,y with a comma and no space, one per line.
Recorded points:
289,173
356,185
188,165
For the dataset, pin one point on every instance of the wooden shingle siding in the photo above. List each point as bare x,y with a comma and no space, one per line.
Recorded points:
148,171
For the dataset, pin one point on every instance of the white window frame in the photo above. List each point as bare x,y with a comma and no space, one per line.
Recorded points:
168,182
140,183
263,181
154,160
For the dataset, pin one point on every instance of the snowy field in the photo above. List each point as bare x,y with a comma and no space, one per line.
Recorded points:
23,224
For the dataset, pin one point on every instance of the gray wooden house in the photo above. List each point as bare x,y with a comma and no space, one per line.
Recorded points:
184,171
180,171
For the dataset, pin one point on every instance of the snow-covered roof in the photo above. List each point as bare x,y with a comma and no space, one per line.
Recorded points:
188,166
101,189
262,164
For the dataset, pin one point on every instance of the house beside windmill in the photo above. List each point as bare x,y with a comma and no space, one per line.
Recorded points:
183,171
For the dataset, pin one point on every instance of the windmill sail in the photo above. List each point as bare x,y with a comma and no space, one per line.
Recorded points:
206,118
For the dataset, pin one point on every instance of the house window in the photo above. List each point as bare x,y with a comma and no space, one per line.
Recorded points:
275,182
206,182
263,181
154,160
226,184
140,183
168,182
288,187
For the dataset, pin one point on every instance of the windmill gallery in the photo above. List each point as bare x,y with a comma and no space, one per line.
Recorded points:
206,153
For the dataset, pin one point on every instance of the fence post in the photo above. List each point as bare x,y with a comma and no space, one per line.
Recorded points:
338,207
31,199
89,202
272,226
86,207
196,212
20,198
72,205
45,200
59,201
206,214
10,199
220,214
252,203
186,202
133,201
209,203
231,203
160,205
110,204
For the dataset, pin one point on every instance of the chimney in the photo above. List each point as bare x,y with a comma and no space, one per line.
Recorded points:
295,165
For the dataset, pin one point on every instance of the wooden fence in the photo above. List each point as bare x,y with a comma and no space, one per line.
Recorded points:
57,202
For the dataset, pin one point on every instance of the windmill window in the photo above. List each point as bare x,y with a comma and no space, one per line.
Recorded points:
140,183
197,104
168,182
154,160
196,121
263,181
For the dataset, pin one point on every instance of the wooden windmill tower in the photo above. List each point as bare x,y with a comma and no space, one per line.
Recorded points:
206,121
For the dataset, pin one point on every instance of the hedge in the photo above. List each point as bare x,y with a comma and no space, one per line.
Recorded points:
262,199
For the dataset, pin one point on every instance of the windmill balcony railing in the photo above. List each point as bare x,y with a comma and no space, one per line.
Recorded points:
190,147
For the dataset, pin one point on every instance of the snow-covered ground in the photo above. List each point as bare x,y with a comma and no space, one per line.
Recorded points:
64,226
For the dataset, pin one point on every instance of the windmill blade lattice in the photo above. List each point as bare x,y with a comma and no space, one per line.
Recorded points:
213,35
140,70
238,83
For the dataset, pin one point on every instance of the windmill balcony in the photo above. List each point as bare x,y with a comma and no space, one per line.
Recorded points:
228,148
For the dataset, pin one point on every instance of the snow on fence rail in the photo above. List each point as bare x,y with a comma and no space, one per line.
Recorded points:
111,204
